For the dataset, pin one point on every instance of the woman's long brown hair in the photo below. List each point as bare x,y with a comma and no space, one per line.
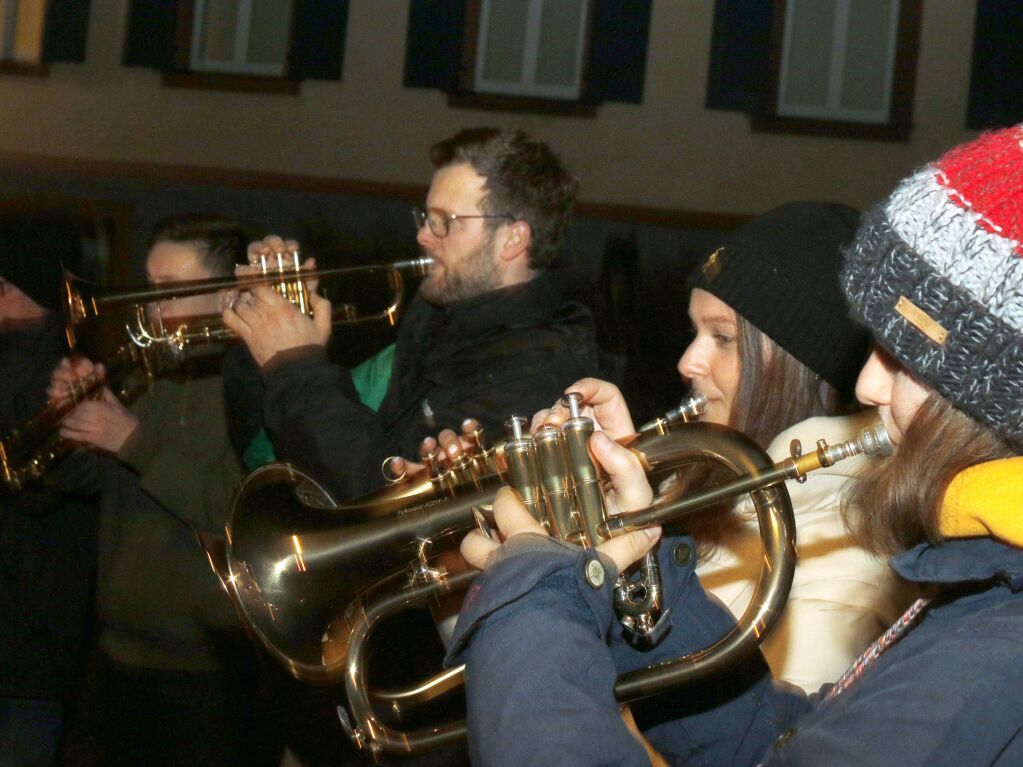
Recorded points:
897,504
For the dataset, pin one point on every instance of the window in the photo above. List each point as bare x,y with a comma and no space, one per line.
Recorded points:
257,45
829,67
241,36
551,56
529,47
838,59
21,30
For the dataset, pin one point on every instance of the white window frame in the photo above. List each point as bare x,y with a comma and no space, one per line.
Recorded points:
833,110
530,55
238,65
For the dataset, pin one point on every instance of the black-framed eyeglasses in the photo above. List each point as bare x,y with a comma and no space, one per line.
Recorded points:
439,221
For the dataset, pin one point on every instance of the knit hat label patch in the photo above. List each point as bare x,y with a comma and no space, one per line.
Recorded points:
921,320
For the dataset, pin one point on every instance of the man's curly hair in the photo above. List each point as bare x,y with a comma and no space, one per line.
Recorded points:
525,179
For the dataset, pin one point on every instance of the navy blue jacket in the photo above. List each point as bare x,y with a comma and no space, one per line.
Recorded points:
542,652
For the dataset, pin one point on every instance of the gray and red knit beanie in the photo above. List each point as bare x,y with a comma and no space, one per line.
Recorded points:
936,272
780,272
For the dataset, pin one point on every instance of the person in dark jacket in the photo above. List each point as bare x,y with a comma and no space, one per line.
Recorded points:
488,335
935,273
177,681
47,539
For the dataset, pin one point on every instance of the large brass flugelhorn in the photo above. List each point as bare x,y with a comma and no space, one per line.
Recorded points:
125,328
312,578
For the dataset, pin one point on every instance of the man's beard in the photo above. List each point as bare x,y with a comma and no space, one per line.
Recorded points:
471,276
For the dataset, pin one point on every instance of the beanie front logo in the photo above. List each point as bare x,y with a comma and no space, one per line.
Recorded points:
921,320
712,266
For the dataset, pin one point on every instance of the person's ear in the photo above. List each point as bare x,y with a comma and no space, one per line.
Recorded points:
517,241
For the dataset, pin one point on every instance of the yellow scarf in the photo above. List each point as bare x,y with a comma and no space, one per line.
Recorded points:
986,500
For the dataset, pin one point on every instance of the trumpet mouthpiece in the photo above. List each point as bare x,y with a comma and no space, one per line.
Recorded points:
417,266
875,440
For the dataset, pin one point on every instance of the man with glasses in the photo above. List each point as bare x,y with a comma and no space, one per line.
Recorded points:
487,335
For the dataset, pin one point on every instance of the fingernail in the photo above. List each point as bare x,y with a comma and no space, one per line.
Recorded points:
452,449
653,532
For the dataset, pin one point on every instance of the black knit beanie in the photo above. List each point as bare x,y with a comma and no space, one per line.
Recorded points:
780,272
937,273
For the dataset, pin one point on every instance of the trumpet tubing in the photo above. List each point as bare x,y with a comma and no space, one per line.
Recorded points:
311,578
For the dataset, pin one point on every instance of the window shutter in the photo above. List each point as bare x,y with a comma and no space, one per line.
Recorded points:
618,47
318,42
149,39
434,44
740,55
997,63
65,30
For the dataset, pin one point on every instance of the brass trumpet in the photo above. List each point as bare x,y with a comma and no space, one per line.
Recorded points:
125,327
358,295
312,578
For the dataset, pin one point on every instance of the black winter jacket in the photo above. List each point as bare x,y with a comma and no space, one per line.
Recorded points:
510,351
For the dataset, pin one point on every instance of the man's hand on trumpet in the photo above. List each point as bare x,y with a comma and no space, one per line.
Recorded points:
444,448
267,322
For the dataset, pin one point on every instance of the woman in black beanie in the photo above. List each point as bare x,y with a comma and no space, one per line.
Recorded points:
776,355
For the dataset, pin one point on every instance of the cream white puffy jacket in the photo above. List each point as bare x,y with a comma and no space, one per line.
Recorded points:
842,597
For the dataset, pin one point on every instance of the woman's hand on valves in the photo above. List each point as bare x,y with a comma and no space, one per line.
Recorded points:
632,491
267,322
602,401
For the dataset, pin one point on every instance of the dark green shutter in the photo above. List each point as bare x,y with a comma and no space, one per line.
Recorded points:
996,95
740,55
67,24
318,42
618,48
433,46
149,39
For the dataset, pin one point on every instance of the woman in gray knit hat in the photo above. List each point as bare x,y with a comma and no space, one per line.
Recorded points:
936,272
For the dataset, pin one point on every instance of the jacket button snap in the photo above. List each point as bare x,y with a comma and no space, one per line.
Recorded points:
595,573
682,554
